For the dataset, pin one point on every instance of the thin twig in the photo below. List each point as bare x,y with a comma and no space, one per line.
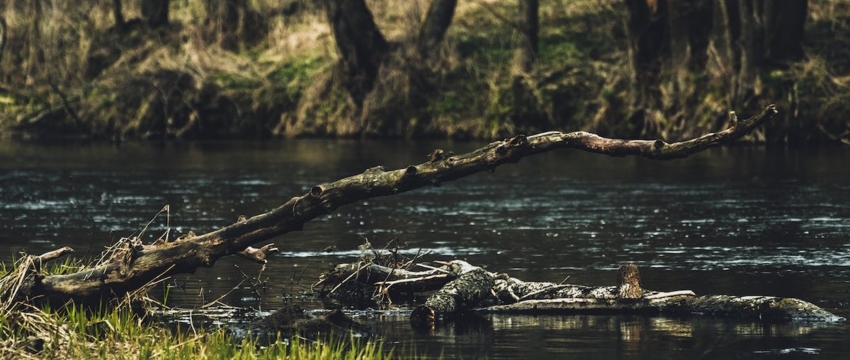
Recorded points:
349,277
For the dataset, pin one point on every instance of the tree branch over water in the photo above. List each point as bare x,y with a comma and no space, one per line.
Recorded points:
130,265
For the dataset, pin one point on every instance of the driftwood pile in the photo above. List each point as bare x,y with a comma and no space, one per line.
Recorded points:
457,287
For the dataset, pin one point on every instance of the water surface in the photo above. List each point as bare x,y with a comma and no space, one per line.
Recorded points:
737,221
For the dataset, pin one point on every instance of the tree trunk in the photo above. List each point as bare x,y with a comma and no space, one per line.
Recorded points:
649,47
130,265
434,28
666,36
226,21
2,38
752,35
648,41
155,12
733,42
35,55
118,14
527,50
784,24
362,47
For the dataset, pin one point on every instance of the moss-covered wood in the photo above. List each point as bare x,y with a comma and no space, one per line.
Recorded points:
474,289
471,286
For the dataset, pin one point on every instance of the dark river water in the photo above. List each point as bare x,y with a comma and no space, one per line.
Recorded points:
736,221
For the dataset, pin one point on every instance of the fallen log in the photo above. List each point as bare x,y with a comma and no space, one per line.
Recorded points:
471,285
768,309
479,291
130,264
396,280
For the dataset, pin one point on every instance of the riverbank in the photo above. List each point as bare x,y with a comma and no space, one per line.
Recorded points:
733,220
90,78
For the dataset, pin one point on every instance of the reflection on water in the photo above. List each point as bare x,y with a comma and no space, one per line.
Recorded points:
740,221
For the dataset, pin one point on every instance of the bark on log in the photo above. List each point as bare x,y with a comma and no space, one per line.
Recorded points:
768,309
477,290
764,308
472,285
135,264
373,274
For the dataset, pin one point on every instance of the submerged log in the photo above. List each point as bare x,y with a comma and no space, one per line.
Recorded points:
764,308
479,291
131,264
768,309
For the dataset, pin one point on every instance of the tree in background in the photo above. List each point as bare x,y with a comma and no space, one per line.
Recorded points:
435,25
118,15
365,54
528,47
155,12
226,20
733,43
422,68
526,54
35,56
362,48
2,38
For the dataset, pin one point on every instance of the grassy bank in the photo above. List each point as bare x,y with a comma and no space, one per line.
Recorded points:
72,333
122,330
80,77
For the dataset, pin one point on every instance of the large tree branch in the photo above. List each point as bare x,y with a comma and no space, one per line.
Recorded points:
133,264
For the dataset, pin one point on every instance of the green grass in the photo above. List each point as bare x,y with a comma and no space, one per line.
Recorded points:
116,333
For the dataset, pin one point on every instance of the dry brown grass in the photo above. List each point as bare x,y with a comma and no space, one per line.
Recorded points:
180,82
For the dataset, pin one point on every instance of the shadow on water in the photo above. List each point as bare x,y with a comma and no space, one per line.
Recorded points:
737,221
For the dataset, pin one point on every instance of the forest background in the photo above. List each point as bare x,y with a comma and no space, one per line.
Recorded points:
470,69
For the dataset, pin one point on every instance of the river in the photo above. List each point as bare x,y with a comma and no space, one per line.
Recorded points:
736,221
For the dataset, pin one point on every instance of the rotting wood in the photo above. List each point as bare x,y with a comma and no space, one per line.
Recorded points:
502,294
138,264
769,309
471,285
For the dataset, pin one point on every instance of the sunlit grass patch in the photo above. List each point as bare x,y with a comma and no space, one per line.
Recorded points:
74,332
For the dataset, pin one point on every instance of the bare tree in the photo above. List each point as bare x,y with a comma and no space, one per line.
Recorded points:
118,14
736,41
751,35
434,28
362,47
529,28
35,53
155,12
226,19
2,37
